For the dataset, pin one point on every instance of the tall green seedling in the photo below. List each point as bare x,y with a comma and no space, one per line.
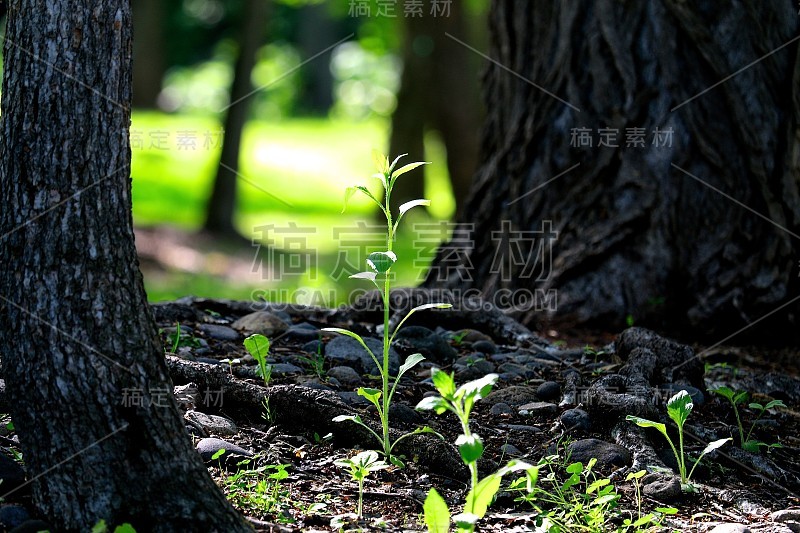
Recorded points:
460,401
379,274
678,409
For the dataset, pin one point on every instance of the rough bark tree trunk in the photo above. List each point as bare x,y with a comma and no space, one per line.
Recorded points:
642,231
222,202
88,386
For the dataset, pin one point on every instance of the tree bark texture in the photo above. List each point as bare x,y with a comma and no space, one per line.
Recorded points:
696,234
222,202
78,337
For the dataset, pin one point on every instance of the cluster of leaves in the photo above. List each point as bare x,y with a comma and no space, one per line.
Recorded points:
572,497
742,397
678,409
360,466
460,402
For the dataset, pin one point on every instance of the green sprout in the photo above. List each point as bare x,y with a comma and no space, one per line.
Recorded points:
678,409
360,466
258,346
380,264
470,445
741,397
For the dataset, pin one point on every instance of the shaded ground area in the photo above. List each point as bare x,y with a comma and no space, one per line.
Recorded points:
566,402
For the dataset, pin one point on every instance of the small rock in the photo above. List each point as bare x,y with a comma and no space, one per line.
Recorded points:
576,419
315,383
538,409
208,447
606,453
300,333
731,527
353,398
514,396
263,322
12,516
346,376
698,398
664,488
314,347
284,369
487,347
510,449
186,353
32,526
428,343
549,391
212,423
501,409
220,333
472,335
476,368
11,473
521,427
786,515
349,352
522,371
405,415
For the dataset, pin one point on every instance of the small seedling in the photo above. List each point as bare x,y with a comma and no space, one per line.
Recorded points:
360,466
742,397
230,362
258,346
470,446
678,409
650,519
380,264
315,361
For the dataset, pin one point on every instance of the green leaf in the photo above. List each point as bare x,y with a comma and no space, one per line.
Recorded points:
667,510
407,168
394,163
381,262
357,337
443,382
381,161
258,346
741,397
348,193
574,468
636,475
478,388
597,484
679,407
373,395
433,403
410,362
481,496
218,454
757,406
470,447
775,403
608,498
125,528
414,310
714,445
347,418
437,515
725,392
413,203
643,422
364,275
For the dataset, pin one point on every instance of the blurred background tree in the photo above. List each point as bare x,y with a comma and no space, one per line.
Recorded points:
252,116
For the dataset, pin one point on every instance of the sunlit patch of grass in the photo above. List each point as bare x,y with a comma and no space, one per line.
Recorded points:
293,173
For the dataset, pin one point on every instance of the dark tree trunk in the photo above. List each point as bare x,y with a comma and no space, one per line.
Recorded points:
438,90
149,51
637,235
78,340
222,202
316,31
